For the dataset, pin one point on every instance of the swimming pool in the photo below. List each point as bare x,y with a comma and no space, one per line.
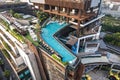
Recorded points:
47,35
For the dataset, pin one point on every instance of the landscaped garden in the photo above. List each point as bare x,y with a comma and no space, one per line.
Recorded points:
111,24
113,39
13,32
16,15
17,35
41,16
59,59
5,53
4,23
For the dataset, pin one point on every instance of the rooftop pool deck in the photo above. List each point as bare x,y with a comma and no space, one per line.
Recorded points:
47,34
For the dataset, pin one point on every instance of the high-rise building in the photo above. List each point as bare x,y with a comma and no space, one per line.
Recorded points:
22,58
69,32
72,31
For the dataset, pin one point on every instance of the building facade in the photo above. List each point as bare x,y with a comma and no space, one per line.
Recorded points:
71,31
85,18
22,57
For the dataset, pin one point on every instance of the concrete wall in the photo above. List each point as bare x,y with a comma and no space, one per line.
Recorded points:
56,71
42,68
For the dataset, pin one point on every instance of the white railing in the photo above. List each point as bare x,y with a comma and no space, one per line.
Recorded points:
10,36
8,43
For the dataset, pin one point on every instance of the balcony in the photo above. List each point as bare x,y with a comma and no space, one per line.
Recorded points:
70,3
83,17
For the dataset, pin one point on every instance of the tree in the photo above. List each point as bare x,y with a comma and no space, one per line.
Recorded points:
41,16
38,13
7,74
111,24
113,39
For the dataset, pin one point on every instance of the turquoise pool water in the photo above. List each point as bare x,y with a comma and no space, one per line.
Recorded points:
47,35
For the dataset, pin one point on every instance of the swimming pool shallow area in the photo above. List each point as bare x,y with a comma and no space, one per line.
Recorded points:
47,35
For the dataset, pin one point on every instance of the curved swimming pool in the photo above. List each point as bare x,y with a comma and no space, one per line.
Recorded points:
47,35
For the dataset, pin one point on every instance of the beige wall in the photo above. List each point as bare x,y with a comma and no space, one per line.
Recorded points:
55,70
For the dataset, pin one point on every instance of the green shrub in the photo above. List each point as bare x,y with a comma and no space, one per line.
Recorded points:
5,53
17,35
6,46
4,23
113,39
58,59
17,15
111,24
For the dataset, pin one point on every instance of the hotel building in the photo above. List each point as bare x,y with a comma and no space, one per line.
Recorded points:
70,33
22,59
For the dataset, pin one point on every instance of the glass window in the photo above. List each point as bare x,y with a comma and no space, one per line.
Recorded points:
27,72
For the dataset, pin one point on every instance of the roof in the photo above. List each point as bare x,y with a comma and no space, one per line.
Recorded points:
91,60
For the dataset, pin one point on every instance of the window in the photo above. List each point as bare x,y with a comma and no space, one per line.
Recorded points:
21,76
27,72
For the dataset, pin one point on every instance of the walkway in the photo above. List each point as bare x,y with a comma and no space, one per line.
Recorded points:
47,35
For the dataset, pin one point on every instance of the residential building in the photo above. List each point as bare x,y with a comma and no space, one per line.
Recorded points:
66,41
22,58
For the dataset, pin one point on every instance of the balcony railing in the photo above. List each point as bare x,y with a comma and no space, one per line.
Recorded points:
70,3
